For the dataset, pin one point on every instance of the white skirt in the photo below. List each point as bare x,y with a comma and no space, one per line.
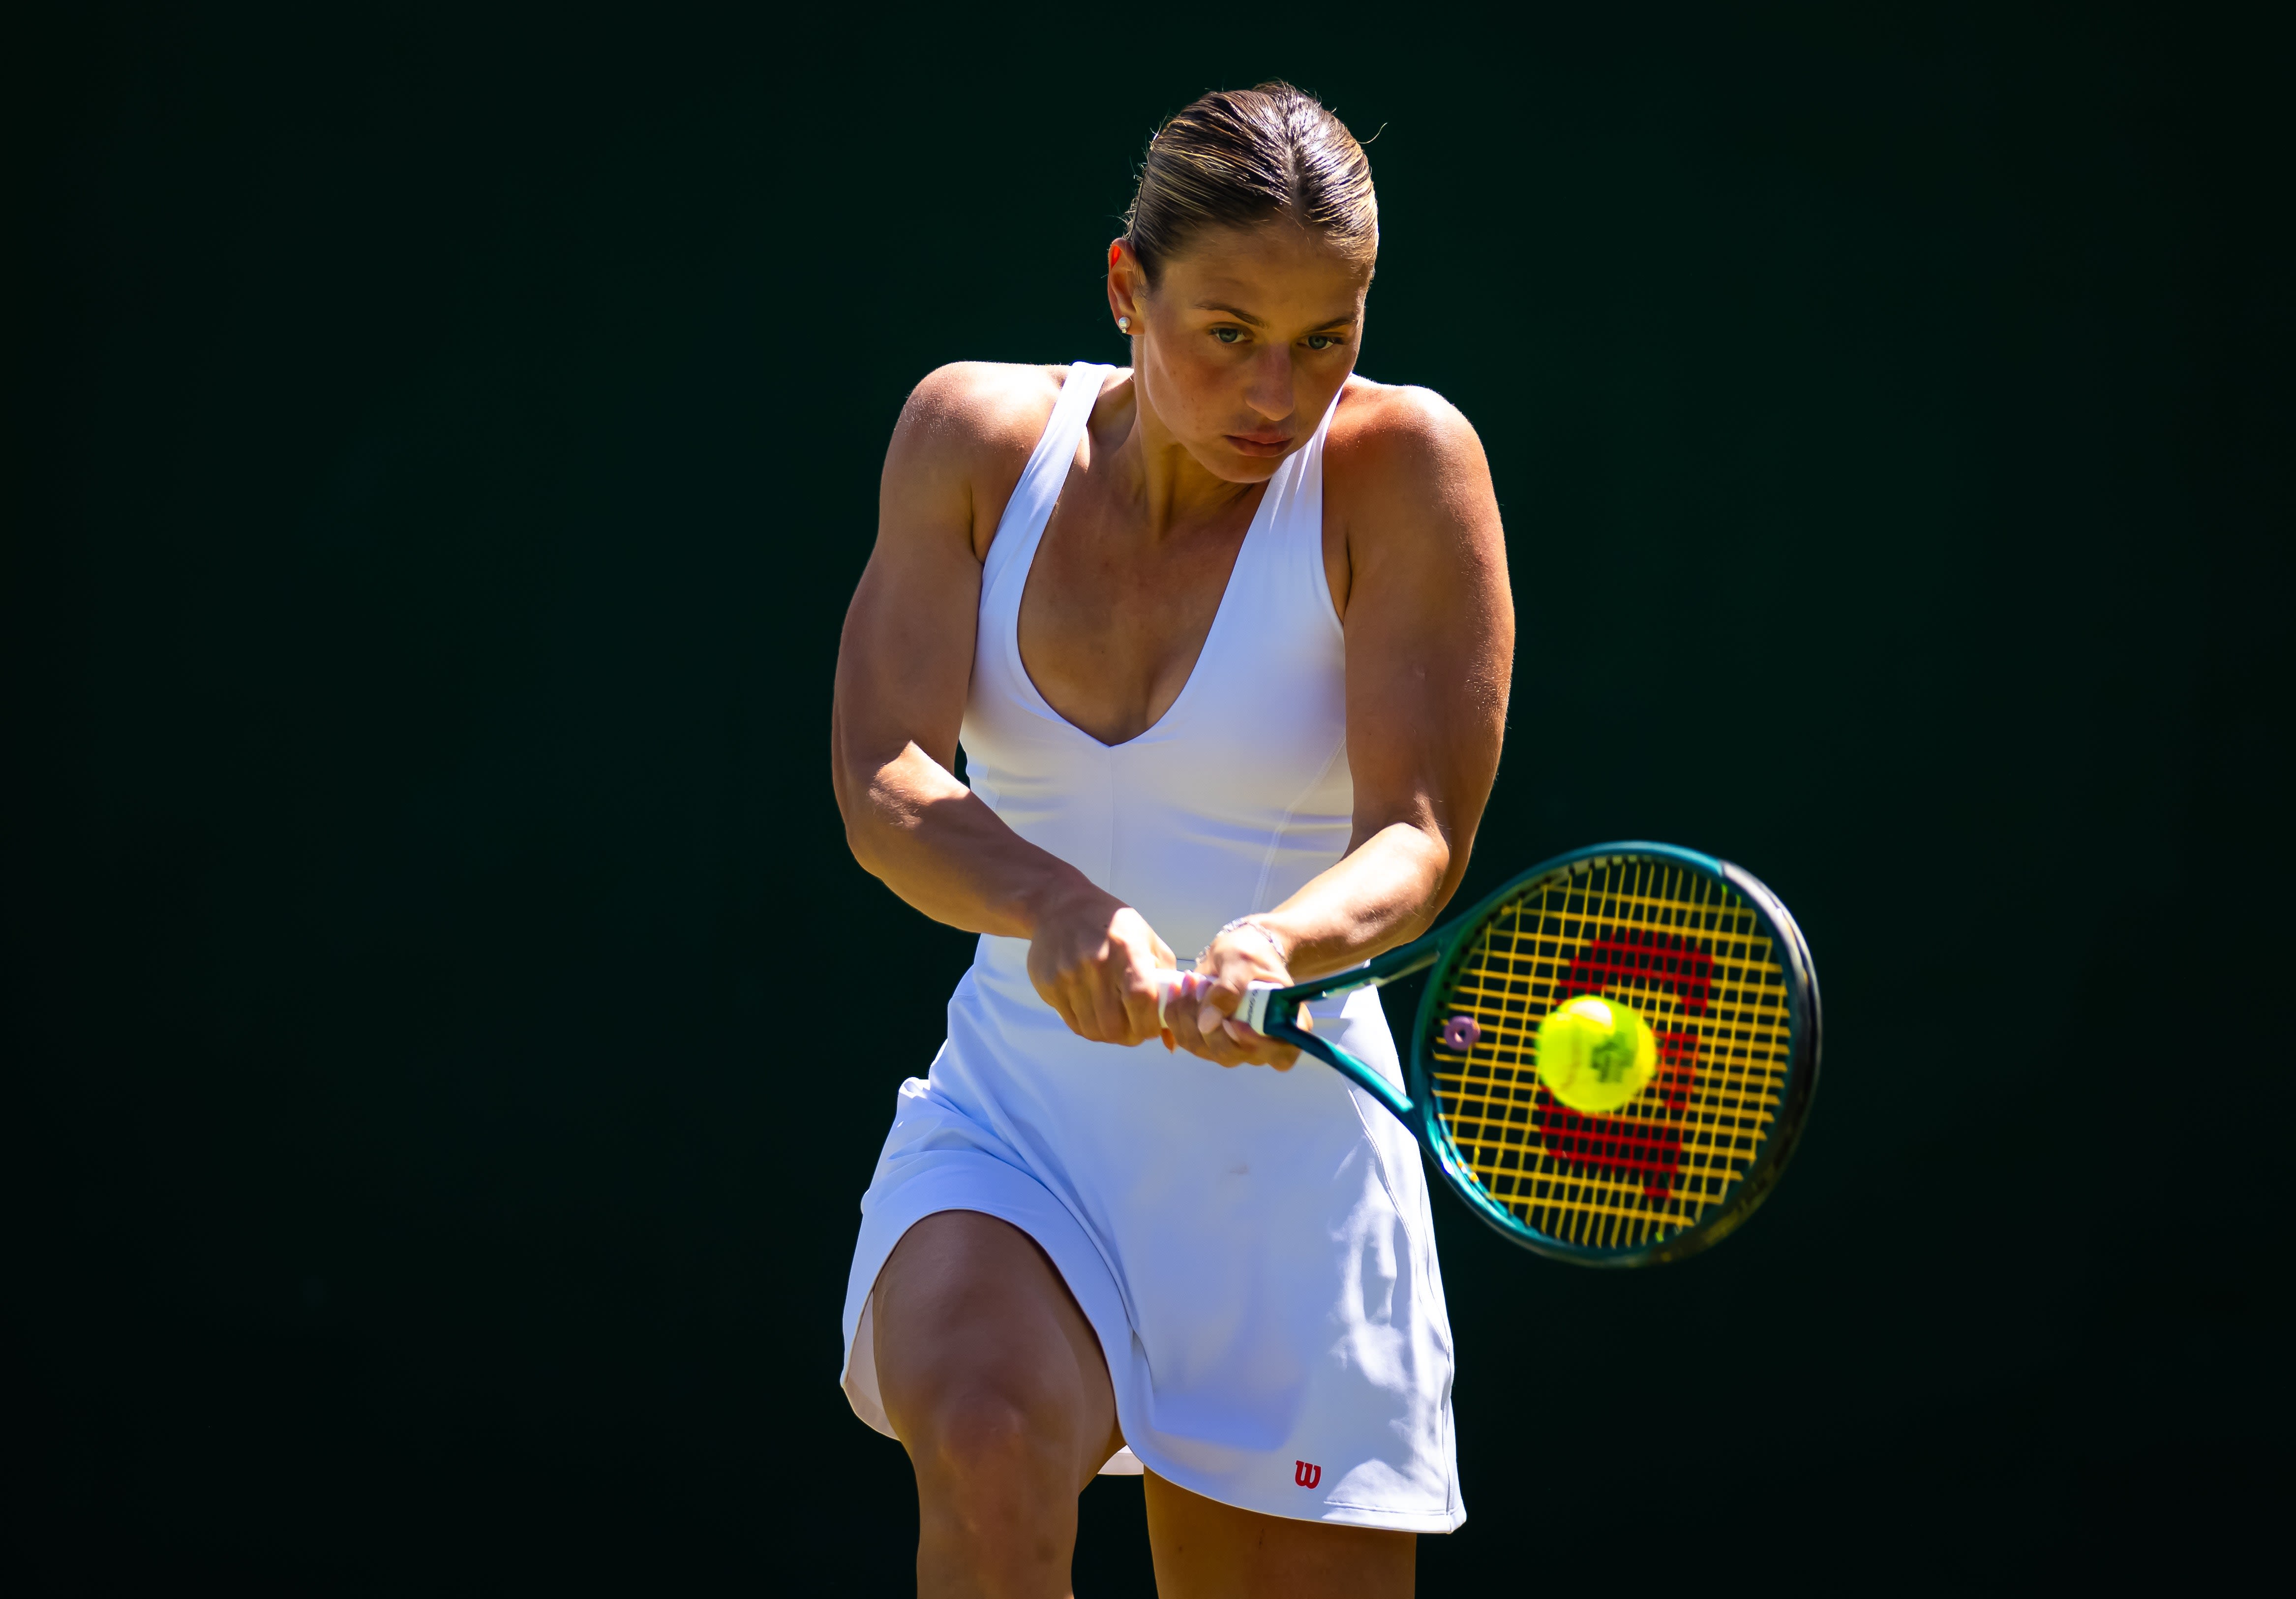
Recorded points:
1252,1249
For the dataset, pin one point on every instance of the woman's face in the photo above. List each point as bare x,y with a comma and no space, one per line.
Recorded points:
1241,347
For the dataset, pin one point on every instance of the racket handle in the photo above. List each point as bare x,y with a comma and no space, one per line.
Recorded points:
1193,985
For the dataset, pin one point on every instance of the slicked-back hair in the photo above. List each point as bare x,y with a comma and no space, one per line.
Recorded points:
1238,158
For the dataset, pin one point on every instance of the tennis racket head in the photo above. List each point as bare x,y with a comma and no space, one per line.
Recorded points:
1716,965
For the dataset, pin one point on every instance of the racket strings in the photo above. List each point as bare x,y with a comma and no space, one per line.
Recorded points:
1687,952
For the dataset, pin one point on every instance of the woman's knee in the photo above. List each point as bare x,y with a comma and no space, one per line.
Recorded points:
984,1361
985,1433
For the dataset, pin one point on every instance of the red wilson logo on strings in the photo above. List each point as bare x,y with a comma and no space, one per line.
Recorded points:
1304,1474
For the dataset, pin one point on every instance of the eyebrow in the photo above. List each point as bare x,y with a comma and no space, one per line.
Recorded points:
1240,315
1236,311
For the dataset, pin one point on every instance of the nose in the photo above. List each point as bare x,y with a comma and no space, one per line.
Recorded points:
1268,389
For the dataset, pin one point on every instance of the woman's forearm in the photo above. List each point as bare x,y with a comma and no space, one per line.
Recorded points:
932,841
1384,893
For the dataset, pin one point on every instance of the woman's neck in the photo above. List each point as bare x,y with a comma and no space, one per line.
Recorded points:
1151,467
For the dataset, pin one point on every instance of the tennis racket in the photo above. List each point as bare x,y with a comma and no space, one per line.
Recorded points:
1698,948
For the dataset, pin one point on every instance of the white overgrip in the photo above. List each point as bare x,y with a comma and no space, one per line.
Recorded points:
1192,987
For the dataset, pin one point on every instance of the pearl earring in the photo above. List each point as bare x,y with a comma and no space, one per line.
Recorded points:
1124,325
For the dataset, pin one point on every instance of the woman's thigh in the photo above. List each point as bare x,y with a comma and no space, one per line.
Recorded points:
1207,1550
974,1327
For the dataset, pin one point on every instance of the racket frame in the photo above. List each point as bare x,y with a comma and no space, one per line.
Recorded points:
1272,1011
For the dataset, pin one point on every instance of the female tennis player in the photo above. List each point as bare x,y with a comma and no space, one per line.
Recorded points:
1225,638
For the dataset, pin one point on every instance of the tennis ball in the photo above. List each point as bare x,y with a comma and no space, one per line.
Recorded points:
1596,1054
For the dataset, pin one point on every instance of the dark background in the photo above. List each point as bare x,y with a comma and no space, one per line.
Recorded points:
440,445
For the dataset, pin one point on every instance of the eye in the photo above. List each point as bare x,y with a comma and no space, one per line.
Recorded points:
1323,341
1228,335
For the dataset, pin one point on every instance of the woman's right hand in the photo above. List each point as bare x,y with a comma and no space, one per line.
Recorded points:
1094,958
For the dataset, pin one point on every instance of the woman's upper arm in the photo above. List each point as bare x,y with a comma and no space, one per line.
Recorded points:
1430,622
904,662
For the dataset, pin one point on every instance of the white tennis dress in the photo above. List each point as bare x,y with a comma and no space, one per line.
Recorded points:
1252,1247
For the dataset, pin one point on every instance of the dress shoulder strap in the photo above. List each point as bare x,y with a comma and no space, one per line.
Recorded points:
1294,513
1023,525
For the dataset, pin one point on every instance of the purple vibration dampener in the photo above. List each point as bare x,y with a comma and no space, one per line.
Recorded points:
1459,1033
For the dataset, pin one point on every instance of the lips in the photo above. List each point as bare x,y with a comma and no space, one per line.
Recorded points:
1260,444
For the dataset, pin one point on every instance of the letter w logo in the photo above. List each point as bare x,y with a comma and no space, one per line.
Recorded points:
1304,1474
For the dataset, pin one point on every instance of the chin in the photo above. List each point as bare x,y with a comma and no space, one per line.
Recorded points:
1219,455
1236,468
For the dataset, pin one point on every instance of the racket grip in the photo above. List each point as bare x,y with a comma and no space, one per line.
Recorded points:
1193,985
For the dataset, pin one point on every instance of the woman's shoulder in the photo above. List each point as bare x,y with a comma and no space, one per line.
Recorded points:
1387,429
978,413
1397,447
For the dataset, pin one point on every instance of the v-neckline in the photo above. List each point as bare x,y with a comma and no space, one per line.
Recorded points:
1195,668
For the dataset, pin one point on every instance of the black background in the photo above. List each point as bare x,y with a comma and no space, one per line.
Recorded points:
439,447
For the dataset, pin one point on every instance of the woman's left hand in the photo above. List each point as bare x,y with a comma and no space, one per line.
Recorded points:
1238,958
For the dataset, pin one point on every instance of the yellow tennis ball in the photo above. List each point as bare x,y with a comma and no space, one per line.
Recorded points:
1596,1054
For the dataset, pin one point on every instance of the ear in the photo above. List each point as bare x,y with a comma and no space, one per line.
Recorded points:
1128,282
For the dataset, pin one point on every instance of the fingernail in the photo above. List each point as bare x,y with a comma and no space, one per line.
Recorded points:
1208,1019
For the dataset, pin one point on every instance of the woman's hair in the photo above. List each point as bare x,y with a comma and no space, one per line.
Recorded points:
1236,159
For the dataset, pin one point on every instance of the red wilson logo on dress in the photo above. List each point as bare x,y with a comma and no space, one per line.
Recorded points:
1304,1474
